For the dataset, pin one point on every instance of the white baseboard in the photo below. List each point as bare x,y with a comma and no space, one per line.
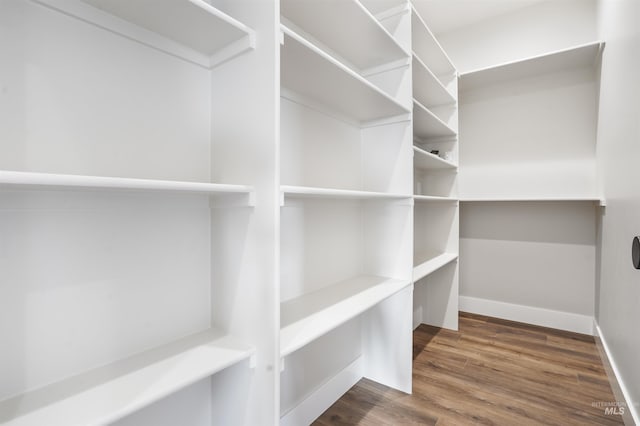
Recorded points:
318,402
528,314
630,416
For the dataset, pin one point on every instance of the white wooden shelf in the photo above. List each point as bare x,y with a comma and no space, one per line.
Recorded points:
429,262
424,160
335,23
313,77
314,192
28,180
581,56
109,393
210,37
308,317
434,198
535,199
426,125
427,89
427,48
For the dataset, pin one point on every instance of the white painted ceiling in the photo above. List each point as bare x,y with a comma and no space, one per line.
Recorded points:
446,15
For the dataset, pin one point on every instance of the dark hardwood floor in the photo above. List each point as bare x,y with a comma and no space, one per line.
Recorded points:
490,372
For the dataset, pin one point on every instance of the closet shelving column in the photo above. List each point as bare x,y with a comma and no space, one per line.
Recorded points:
345,155
435,119
123,220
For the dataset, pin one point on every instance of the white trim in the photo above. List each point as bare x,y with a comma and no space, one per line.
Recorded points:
631,416
323,397
528,314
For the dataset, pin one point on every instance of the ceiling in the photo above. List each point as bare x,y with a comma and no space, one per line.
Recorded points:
445,15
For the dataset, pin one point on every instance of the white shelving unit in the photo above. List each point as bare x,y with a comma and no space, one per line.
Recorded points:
435,181
312,315
428,90
429,262
49,181
314,77
581,56
307,192
522,159
186,165
374,47
132,220
112,392
346,197
427,125
211,37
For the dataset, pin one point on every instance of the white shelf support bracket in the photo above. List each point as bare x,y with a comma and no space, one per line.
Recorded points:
281,364
281,198
253,362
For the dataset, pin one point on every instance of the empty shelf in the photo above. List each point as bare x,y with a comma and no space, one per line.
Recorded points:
313,192
10,179
424,160
427,263
191,29
427,89
427,48
312,315
533,199
114,391
434,198
576,57
320,80
334,23
426,125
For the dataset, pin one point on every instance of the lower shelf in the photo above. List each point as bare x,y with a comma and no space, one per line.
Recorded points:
427,263
308,317
114,391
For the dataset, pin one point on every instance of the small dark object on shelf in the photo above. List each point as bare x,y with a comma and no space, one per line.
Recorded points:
435,152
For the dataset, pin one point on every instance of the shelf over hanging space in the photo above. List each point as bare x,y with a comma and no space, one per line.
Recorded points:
50,181
189,29
429,262
585,55
312,315
109,393
426,125
423,160
334,23
313,77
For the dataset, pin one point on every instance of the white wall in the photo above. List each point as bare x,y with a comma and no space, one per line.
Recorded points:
618,297
543,27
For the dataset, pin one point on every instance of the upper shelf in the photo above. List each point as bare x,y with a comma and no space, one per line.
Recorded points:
427,48
318,79
334,23
109,393
9,179
312,315
426,125
424,160
313,192
190,29
428,262
427,88
534,199
575,57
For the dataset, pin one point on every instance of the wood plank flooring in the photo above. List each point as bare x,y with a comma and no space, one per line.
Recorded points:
490,372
